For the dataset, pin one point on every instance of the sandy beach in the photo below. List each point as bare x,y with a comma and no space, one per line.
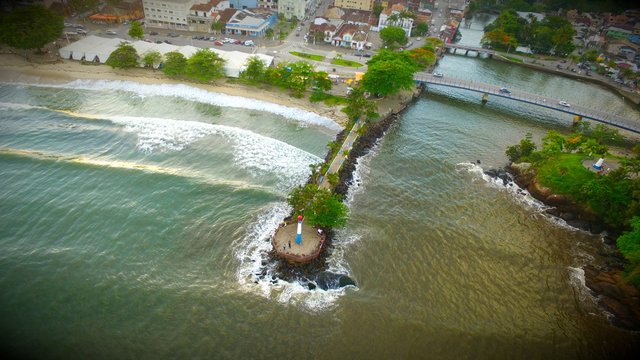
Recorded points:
14,68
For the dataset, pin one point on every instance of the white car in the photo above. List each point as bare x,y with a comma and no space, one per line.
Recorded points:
111,32
437,74
564,103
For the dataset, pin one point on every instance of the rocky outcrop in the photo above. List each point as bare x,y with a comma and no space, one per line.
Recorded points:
571,212
614,295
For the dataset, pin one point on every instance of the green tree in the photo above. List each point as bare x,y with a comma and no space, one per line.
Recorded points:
629,246
124,57
521,151
321,81
205,66
377,9
135,30
421,29
358,105
499,39
326,210
393,37
268,33
389,73
152,59
175,64
301,196
255,70
30,27
218,26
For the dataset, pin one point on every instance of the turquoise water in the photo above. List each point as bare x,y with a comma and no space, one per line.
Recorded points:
136,217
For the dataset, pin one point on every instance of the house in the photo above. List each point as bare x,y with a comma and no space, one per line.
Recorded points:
243,4
326,27
351,36
203,16
268,4
618,33
393,16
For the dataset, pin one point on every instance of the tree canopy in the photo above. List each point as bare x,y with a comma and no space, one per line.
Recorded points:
393,37
152,59
124,57
135,30
553,34
389,73
175,64
205,66
30,27
319,207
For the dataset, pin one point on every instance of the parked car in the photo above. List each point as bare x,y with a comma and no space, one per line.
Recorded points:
167,42
153,33
564,103
218,43
173,34
81,31
505,91
111,32
437,74
249,43
213,38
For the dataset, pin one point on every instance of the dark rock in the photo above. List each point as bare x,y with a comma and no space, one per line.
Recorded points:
346,281
596,228
567,216
553,212
611,290
579,224
311,286
491,172
555,200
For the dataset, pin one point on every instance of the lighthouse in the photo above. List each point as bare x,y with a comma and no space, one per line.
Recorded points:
299,231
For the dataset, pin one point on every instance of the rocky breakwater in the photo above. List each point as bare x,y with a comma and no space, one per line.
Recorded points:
612,292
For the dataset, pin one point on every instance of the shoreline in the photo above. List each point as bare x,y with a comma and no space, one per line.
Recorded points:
15,69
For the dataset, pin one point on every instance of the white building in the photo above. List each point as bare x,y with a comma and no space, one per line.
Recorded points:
167,14
202,16
391,17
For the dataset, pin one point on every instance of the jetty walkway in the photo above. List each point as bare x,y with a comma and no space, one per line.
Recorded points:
632,125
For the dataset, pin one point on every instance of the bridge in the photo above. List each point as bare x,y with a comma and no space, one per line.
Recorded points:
453,48
632,125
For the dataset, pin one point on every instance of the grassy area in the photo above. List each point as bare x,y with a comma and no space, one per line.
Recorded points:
307,56
328,99
343,62
514,59
565,174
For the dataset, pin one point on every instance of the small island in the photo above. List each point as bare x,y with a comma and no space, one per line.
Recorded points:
286,245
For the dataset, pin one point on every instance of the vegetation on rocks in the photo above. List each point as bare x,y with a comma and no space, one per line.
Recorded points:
612,195
320,207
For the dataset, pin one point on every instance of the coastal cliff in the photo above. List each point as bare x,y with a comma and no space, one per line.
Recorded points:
607,283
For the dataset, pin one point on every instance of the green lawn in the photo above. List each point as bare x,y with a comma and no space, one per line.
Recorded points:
343,62
307,56
565,174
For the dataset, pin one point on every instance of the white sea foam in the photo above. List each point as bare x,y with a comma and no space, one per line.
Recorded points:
253,152
200,95
521,196
360,174
578,281
254,249
14,106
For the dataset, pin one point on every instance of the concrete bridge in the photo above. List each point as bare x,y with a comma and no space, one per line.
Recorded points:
632,125
455,48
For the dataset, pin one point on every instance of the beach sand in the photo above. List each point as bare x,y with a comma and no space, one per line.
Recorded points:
14,68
